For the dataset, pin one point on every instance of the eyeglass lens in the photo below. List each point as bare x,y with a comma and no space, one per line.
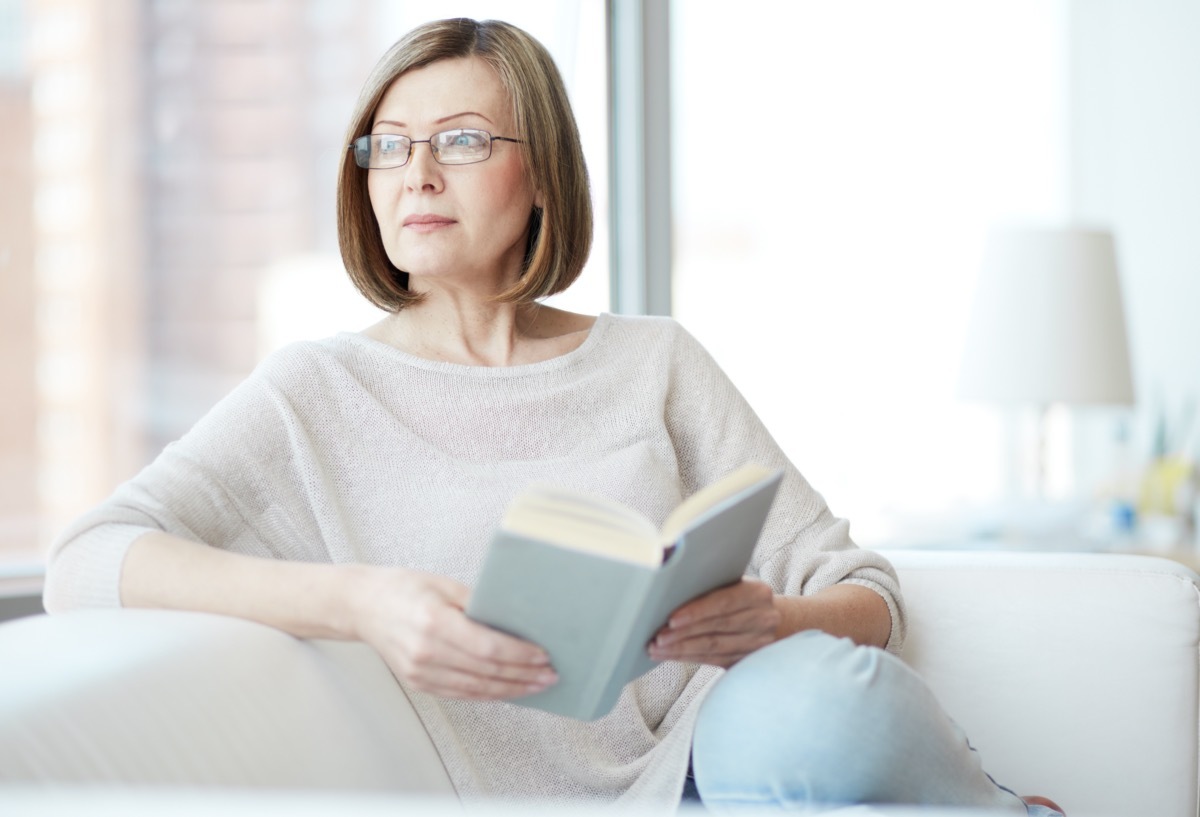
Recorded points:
453,147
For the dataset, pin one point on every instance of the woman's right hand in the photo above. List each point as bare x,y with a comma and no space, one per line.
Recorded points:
416,621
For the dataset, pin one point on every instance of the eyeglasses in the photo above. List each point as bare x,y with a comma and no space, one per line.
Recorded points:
464,146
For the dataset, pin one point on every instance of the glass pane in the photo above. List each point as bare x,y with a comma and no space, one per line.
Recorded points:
837,166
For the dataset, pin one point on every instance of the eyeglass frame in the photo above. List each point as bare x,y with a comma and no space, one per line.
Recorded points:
413,142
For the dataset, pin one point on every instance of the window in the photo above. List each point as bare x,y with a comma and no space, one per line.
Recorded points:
163,228
837,166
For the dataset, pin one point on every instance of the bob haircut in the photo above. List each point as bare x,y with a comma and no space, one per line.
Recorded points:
560,234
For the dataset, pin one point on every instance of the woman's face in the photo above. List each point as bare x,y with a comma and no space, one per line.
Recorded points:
456,223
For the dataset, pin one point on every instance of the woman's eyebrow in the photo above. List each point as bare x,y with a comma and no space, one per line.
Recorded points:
440,121
457,115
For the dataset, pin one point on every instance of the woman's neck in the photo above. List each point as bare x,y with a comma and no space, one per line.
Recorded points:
475,334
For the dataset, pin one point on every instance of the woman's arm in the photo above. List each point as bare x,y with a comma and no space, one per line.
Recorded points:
247,480
803,546
846,610
726,625
414,620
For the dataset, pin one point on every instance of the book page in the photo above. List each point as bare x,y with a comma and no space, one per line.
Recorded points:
552,499
709,496
584,522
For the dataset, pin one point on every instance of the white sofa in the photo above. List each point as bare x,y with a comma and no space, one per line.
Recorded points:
1074,674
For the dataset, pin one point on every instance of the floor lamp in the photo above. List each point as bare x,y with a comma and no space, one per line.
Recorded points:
1047,326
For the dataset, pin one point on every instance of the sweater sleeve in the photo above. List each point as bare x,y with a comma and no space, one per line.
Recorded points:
219,485
804,548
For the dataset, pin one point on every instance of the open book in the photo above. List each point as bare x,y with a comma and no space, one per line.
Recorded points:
591,580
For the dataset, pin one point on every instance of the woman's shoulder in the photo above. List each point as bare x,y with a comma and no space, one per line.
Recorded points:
646,327
300,355
310,363
660,333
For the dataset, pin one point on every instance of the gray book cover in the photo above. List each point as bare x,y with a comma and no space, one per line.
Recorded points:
595,616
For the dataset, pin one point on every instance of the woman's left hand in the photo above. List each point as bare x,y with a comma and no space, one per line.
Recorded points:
721,627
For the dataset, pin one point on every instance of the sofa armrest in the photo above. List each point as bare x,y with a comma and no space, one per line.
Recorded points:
1075,675
163,697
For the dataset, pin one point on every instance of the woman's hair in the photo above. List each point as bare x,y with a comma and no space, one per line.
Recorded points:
560,233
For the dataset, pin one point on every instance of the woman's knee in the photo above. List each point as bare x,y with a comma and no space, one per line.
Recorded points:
812,718
807,679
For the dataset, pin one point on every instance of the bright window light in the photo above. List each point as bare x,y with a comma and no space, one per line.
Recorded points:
837,167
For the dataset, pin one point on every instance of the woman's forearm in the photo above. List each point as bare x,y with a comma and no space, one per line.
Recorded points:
848,610
414,620
304,599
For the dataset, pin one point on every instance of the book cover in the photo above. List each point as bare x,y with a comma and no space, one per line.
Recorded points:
595,613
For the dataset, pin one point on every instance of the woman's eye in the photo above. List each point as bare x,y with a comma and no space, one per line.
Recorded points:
467,139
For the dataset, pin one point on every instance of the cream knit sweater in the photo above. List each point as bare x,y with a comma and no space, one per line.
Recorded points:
348,450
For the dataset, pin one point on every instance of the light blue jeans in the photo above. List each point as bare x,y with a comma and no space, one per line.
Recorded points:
815,721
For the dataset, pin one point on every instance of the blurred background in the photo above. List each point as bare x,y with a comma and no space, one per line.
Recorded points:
835,170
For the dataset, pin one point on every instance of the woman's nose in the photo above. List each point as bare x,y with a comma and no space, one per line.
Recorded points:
423,172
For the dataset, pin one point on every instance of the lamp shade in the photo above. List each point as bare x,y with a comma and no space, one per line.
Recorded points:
1047,325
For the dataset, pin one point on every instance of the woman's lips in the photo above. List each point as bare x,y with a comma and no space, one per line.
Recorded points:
427,223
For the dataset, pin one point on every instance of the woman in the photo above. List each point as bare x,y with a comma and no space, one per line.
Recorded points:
348,488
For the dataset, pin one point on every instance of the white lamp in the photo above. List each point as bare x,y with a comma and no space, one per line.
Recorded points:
1047,325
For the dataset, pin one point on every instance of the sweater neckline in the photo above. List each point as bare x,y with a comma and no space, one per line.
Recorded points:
550,364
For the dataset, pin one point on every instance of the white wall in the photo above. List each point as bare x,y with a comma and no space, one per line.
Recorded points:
1135,152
